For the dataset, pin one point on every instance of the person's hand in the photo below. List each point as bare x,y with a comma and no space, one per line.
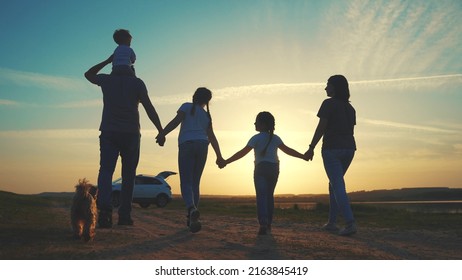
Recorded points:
160,139
221,163
309,154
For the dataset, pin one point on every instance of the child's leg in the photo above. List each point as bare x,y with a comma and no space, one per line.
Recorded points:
272,177
186,167
261,191
265,179
201,150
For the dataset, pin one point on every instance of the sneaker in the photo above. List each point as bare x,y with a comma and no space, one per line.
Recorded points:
330,227
105,219
263,230
348,230
125,222
194,224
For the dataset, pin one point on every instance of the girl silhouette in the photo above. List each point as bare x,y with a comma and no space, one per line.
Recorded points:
266,172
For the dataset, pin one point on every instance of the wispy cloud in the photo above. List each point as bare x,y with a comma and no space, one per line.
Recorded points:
416,83
81,104
230,93
31,79
5,102
394,38
429,79
406,126
50,134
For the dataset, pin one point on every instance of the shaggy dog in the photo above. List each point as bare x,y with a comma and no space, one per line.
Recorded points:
84,211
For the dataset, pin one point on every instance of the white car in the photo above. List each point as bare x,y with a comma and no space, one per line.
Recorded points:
148,189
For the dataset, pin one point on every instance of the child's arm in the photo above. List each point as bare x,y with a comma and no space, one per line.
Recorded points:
239,154
290,151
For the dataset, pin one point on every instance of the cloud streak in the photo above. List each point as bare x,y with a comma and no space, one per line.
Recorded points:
232,93
81,104
5,102
31,79
408,126
394,38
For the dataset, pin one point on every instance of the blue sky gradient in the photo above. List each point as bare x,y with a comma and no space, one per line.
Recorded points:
403,60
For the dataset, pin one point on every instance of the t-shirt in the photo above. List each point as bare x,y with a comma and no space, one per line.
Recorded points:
121,97
193,127
341,119
123,55
258,143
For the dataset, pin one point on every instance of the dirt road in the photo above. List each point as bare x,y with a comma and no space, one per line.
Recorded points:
162,234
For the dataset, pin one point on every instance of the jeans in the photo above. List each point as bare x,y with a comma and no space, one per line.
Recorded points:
113,144
265,179
192,156
336,163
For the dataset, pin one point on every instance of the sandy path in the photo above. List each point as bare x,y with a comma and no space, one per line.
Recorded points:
162,234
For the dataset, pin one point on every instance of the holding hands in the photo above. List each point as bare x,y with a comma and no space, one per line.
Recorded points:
221,162
160,139
309,154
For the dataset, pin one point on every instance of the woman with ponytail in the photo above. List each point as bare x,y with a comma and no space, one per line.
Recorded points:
196,133
266,172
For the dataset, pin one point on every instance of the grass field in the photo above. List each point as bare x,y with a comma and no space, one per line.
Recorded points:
30,226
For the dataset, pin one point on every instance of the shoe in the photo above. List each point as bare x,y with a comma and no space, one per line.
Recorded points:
105,219
330,227
194,224
268,229
263,230
125,222
348,230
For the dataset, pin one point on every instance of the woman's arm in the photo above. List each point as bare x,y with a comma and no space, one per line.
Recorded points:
320,130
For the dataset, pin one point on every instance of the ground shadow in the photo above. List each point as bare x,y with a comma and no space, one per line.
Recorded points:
265,248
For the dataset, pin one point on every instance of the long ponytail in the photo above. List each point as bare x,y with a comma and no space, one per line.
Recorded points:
266,119
202,96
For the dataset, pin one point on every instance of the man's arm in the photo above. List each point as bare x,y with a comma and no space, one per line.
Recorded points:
93,71
153,116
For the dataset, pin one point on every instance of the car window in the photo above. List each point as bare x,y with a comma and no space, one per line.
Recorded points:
147,181
118,181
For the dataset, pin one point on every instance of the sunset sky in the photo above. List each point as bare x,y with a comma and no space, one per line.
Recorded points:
403,60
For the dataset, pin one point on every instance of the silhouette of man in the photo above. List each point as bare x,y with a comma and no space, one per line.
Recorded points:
120,135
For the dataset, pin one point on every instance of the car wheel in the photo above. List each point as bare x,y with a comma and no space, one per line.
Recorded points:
144,204
115,199
162,200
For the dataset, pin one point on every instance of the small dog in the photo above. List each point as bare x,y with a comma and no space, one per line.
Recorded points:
84,211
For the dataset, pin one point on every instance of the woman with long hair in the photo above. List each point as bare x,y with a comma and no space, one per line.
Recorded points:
337,119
